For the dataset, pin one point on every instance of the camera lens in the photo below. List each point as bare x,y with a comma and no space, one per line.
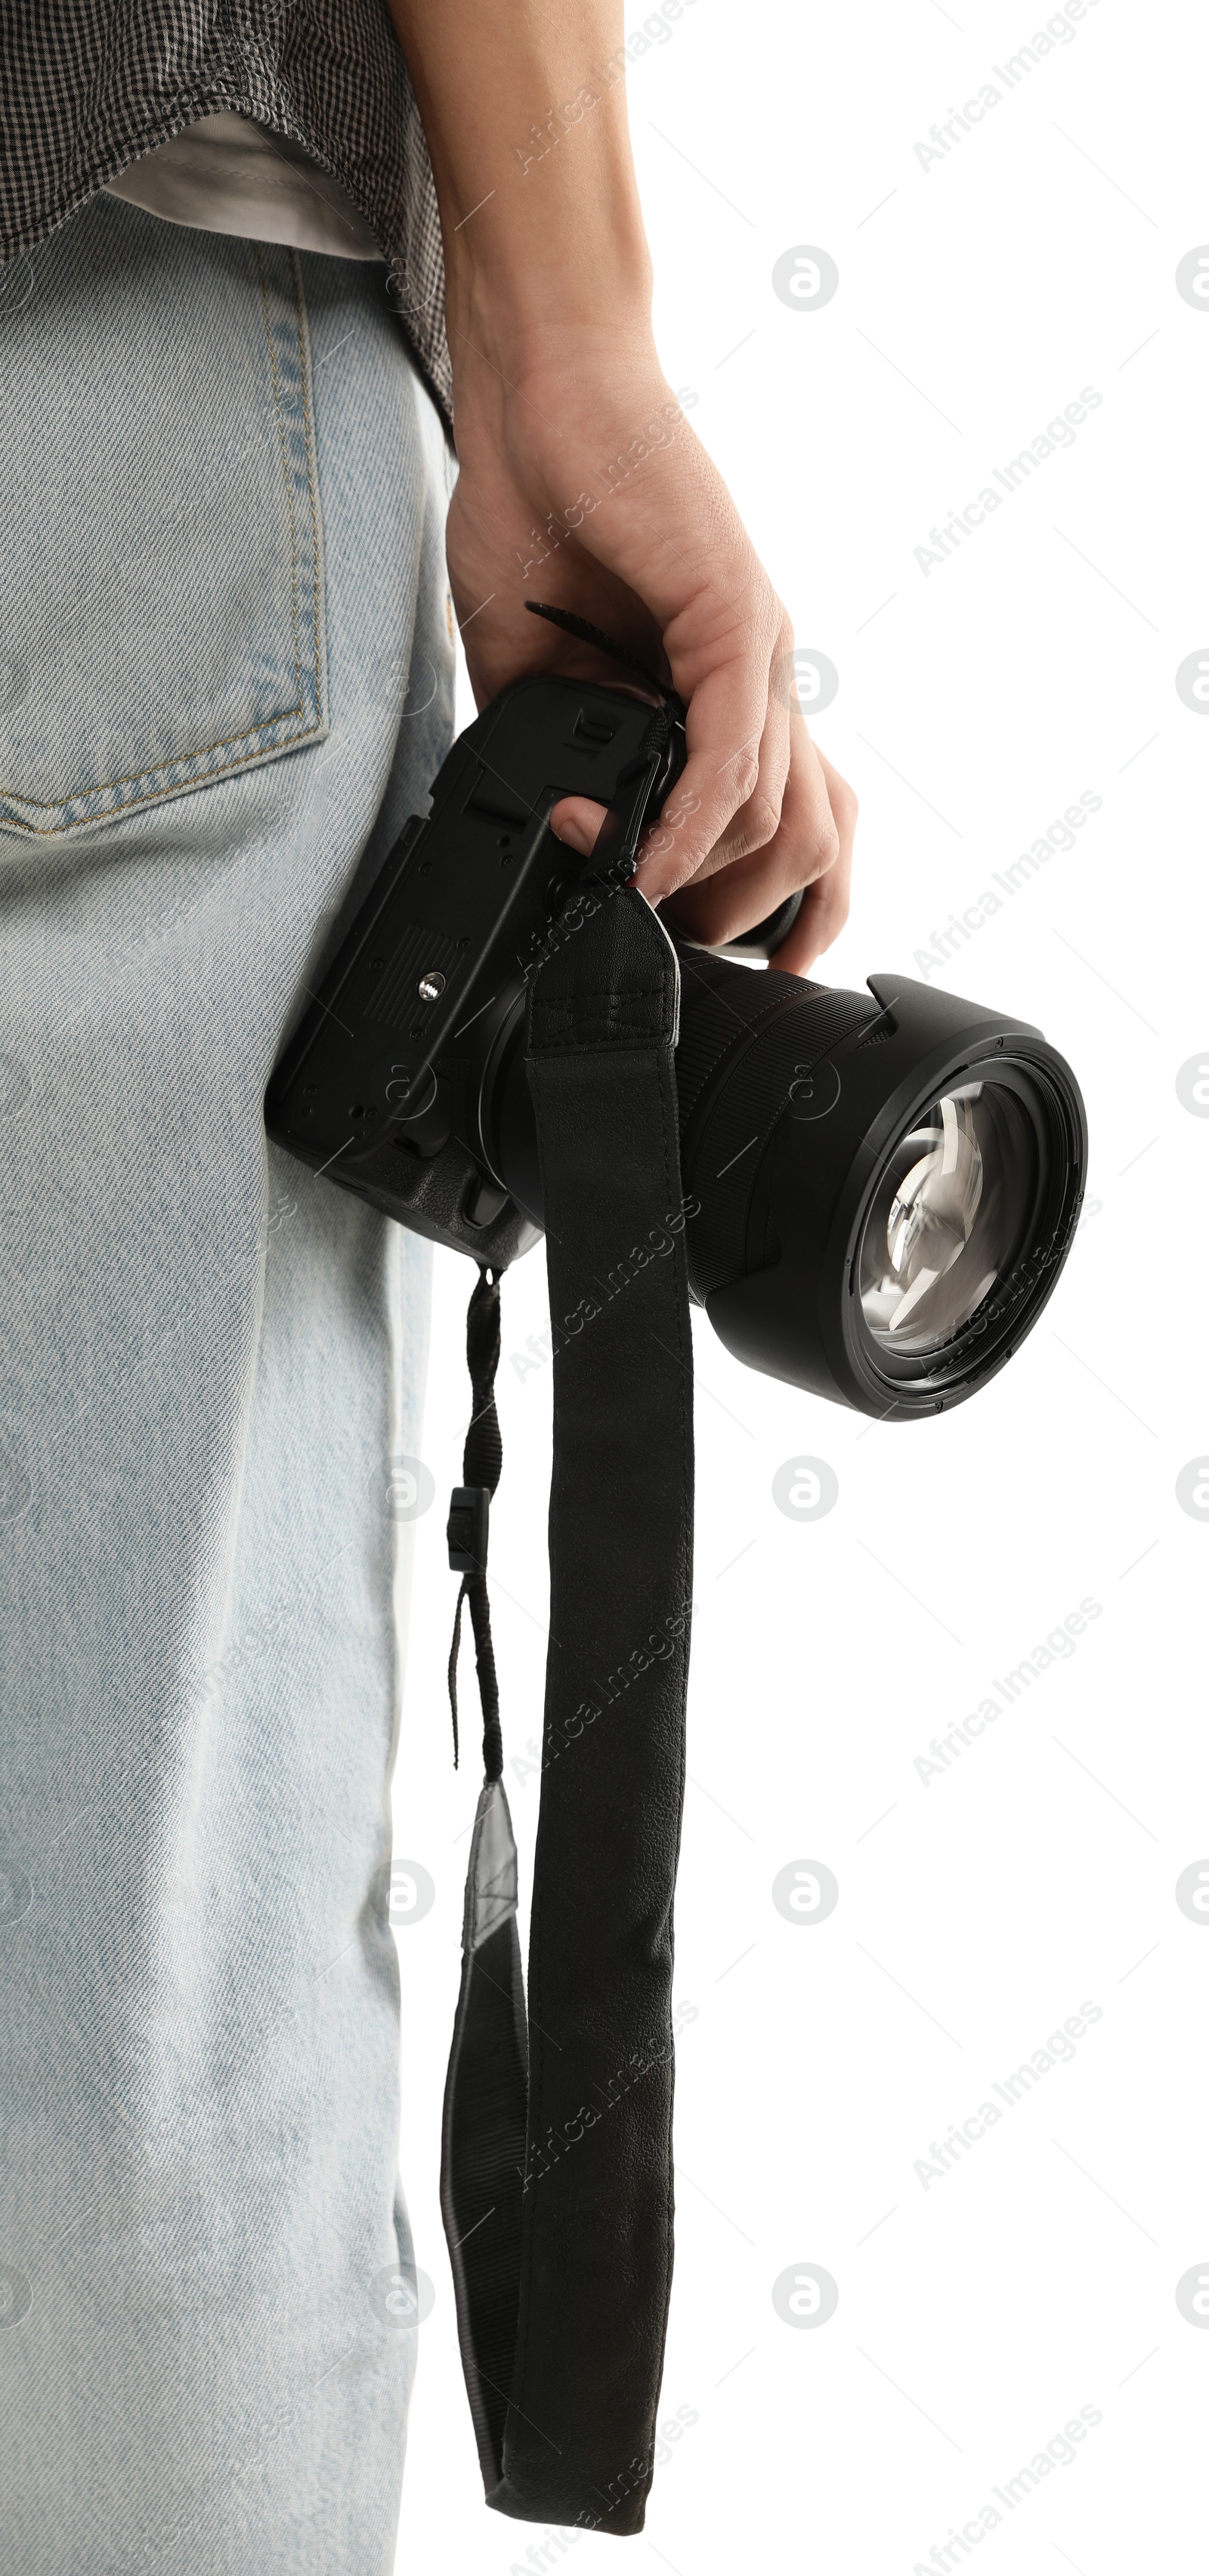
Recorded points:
947,1218
891,1248
880,1187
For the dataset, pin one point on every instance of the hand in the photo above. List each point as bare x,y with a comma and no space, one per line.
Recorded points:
582,483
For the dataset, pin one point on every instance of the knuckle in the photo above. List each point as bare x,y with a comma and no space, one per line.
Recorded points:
762,819
825,852
687,864
750,831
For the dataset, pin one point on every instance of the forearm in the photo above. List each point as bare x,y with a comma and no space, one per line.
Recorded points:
577,472
542,229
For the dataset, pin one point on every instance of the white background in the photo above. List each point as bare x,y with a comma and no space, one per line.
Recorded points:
977,1912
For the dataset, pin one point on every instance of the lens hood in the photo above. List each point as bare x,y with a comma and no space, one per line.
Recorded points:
790,1302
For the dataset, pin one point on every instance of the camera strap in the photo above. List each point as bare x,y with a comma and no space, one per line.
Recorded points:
556,2182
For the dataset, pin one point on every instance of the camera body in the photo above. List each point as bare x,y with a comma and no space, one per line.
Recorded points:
884,1184
387,1083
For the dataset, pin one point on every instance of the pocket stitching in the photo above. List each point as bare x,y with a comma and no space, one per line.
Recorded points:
282,715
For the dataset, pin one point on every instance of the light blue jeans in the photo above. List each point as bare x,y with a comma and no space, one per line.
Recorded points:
225,678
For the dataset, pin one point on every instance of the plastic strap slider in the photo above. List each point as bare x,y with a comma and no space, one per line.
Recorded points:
466,1528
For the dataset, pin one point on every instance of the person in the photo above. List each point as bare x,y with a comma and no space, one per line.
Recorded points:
226,675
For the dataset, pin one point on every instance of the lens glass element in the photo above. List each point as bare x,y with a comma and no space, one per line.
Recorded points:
947,1217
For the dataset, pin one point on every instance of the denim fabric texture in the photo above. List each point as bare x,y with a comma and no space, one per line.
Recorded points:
163,571
230,523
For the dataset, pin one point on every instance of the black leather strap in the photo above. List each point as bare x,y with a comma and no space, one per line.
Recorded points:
573,2254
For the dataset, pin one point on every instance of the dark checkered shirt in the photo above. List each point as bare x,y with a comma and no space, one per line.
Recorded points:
88,86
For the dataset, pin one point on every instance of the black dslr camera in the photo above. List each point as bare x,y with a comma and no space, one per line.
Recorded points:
884,1184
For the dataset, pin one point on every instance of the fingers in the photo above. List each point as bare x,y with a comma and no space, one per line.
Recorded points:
577,820
729,798
754,824
810,843
811,848
825,907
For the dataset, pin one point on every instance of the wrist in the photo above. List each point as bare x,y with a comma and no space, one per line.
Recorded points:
530,302
540,375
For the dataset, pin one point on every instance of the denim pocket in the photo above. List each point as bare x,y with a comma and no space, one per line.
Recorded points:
162,616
